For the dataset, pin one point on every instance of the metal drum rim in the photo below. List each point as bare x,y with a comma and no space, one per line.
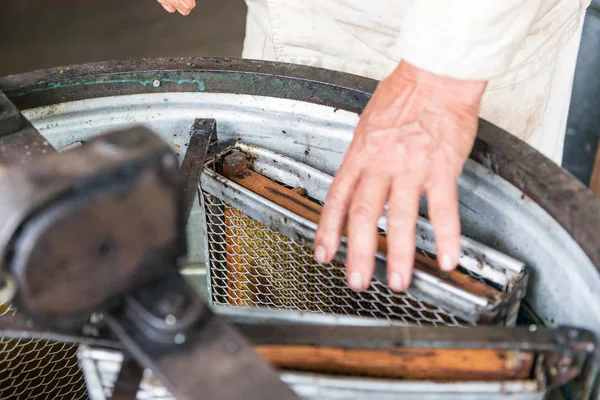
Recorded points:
556,191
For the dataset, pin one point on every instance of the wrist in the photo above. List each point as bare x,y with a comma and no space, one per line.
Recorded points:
468,91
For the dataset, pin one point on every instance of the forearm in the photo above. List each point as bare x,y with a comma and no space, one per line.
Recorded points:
466,39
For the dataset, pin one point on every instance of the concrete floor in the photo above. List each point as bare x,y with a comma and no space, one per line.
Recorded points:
38,34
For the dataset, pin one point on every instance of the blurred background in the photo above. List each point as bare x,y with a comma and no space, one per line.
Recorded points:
38,34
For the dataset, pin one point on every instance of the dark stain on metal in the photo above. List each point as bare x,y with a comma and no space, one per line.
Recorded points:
243,174
293,199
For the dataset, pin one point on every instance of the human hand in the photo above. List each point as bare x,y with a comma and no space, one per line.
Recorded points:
413,137
183,6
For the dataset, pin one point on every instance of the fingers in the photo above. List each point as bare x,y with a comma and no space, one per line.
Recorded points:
403,211
333,216
366,208
183,6
442,202
168,7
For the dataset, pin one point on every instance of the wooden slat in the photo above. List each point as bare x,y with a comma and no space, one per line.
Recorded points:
595,179
236,170
405,363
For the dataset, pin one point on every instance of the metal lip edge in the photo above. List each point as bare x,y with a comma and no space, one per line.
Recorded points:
240,197
485,262
265,315
207,263
375,385
98,361
238,65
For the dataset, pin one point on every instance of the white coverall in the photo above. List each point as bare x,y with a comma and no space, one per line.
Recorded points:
527,49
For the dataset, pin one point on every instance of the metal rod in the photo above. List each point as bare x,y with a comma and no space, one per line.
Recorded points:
203,132
128,381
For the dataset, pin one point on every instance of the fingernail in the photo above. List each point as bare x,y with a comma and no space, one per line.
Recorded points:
395,282
320,254
356,281
446,263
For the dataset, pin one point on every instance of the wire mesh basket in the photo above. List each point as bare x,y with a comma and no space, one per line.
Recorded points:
259,266
259,259
39,369
258,255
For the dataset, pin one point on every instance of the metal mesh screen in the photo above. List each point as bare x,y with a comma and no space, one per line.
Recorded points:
39,369
102,367
254,266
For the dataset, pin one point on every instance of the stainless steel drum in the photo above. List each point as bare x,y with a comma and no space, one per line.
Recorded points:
512,199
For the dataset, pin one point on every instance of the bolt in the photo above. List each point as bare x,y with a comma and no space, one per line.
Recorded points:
179,338
156,83
170,320
231,348
532,328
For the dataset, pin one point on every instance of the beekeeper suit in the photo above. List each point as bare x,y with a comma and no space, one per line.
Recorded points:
440,63
526,49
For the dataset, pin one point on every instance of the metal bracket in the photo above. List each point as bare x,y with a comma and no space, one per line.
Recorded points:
203,136
169,329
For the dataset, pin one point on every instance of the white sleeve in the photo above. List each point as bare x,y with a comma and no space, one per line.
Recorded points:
466,39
